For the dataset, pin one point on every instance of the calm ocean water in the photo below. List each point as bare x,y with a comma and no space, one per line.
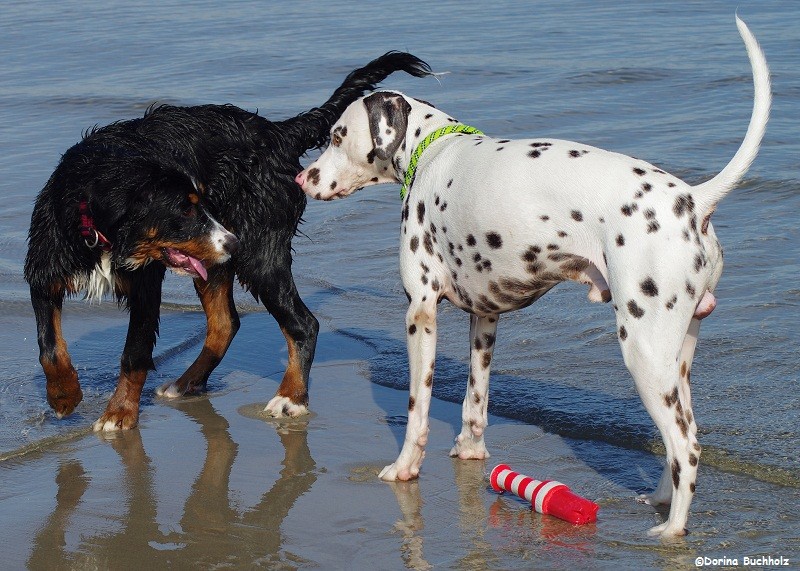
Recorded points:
668,82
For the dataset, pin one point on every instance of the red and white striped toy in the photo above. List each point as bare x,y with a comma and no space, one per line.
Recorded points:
546,497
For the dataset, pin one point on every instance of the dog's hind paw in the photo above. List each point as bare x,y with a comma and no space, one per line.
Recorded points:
665,531
469,448
115,421
281,406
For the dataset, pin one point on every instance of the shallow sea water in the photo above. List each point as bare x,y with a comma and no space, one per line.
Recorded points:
667,82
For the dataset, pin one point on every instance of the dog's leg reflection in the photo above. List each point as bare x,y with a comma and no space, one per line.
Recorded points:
410,526
473,513
50,543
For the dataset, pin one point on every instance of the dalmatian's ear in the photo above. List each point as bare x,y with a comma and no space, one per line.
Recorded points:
388,121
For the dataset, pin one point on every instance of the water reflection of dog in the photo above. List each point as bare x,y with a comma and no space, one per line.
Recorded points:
210,528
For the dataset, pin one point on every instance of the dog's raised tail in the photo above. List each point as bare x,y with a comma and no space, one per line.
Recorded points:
708,194
310,130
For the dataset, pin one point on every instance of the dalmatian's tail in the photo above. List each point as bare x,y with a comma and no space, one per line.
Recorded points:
708,194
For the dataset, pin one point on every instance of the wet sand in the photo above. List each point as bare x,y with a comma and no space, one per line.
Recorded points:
208,482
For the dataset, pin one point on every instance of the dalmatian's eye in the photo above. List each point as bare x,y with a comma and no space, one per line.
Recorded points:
336,140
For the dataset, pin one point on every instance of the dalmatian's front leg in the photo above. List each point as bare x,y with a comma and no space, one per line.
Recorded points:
421,336
470,443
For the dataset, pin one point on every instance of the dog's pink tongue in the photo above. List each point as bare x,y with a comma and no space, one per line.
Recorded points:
198,267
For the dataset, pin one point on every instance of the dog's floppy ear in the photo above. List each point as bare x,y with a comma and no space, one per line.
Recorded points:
388,121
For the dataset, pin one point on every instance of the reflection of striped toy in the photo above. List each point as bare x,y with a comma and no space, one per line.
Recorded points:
548,497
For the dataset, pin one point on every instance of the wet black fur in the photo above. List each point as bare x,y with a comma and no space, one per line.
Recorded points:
142,169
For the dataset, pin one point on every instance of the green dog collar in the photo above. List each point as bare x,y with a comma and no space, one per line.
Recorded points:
423,144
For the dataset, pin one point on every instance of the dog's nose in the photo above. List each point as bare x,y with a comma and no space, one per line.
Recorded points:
301,178
230,244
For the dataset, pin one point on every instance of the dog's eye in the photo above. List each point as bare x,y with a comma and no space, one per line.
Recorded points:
190,212
336,140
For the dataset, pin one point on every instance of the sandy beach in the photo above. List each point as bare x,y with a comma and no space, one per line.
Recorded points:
208,482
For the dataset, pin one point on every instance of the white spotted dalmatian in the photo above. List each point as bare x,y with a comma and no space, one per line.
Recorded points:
493,224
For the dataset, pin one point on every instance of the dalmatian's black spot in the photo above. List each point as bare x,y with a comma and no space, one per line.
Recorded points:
681,422
471,380
601,220
478,344
379,141
428,242
638,194
676,473
620,240
471,240
476,257
428,115
371,157
692,487
638,171
552,247
649,287
503,141
623,333
420,212
489,339
659,171
671,184
684,203
698,262
450,119
562,234
499,148
686,236
559,256
576,215
333,185
374,179
671,303
404,213
442,208
487,265
433,228
574,154
313,176
486,360
671,398
411,403
424,279
689,416
412,329
459,262
692,460
534,268
435,285
653,226
436,202
629,209
535,145
476,398
425,268
649,214
417,132
414,244
535,154
690,290
531,253
427,329
494,240
479,142
684,368
635,310
647,187
544,218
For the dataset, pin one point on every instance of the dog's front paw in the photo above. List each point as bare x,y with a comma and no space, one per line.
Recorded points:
117,419
281,406
392,473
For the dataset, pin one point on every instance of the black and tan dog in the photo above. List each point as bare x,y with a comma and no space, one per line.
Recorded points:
138,196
